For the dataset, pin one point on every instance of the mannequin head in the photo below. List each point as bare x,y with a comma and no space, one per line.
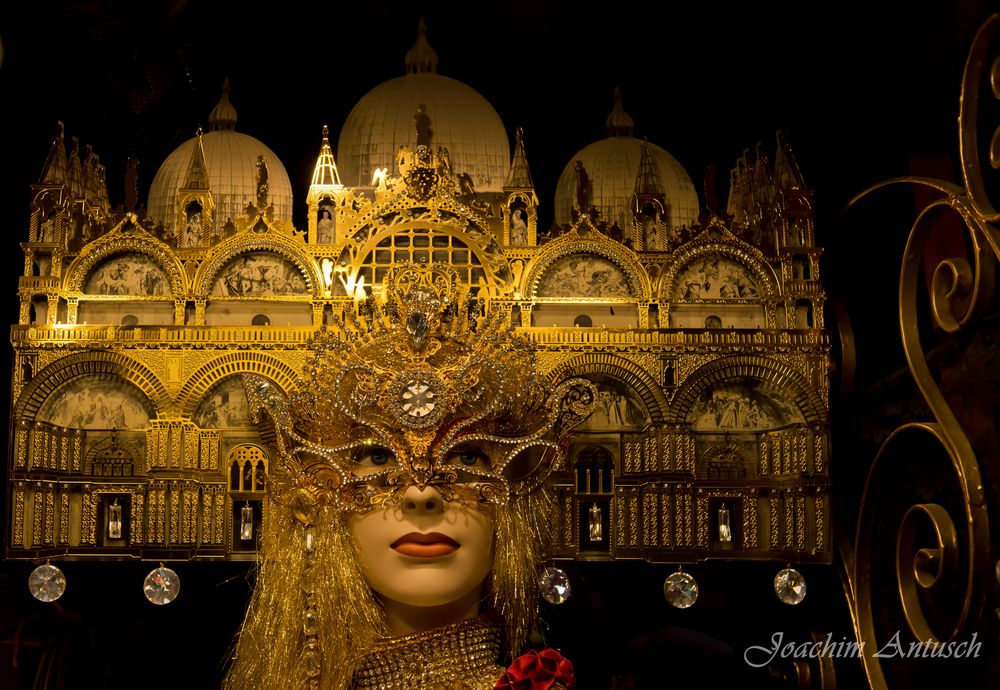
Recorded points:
426,558
410,491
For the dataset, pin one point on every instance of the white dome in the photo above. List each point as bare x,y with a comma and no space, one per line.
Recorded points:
612,165
231,161
461,120
231,166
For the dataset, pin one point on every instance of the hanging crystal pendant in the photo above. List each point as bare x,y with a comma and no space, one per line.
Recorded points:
680,589
725,531
553,584
115,520
596,533
246,523
161,586
46,583
790,586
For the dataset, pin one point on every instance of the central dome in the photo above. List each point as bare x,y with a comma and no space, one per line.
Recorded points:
458,118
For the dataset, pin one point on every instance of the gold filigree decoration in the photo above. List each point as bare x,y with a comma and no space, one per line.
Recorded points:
419,375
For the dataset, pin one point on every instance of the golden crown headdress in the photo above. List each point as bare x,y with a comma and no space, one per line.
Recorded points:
398,393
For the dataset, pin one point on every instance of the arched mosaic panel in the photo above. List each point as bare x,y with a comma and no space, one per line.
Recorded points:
715,277
583,275
97,401
259,274
128,274
619,407
743,405
224,406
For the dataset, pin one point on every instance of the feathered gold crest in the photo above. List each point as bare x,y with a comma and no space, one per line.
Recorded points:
418,376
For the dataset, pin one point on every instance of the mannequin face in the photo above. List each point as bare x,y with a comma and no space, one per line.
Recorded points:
424,551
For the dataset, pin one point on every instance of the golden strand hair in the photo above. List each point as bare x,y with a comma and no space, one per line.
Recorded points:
268,652
522,541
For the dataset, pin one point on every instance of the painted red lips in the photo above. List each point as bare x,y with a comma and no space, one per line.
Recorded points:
430,545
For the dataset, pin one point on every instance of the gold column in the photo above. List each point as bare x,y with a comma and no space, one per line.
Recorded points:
199,312
52,318
17,537
72,304
136,529
643,315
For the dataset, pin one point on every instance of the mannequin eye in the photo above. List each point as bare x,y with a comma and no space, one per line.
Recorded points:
374,459
469,457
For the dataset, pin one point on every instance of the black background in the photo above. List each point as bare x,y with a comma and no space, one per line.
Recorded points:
865,91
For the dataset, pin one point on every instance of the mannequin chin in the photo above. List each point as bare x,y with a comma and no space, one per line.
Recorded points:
425,558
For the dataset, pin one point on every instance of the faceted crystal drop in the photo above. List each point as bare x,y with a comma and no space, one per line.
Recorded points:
680,589
303,507
554,585
790,586
161,586
310,540
308,579
416,325
47,583
310,625
310,663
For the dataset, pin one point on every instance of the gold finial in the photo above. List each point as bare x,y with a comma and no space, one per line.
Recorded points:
619,124
223,115
421,57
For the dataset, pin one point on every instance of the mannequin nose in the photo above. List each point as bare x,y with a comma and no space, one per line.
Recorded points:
426,501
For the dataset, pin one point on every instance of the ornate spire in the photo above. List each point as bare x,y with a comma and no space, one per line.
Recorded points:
75,177
103,200
54,170
223,115
325,173
519,175
786,168
619,124
647,182
421,57
90,163
197,174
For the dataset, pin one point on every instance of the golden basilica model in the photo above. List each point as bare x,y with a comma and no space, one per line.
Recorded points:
701,327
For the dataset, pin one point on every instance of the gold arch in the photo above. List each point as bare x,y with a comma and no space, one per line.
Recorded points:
620,369
754,367
729,246
573,243
209,374
249,241
38,390
492,265
115,242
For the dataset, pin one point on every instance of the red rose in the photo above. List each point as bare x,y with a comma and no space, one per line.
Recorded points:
544,670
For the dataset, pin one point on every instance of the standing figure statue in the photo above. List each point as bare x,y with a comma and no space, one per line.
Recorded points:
262,185
422,125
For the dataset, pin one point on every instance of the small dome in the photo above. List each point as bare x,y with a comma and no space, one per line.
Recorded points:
231,162
460,119
612,167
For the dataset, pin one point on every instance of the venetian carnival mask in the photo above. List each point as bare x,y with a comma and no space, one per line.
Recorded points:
420,389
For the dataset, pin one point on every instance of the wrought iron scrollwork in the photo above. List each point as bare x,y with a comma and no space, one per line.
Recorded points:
924,493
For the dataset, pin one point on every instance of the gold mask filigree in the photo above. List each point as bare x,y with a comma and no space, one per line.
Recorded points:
420,382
